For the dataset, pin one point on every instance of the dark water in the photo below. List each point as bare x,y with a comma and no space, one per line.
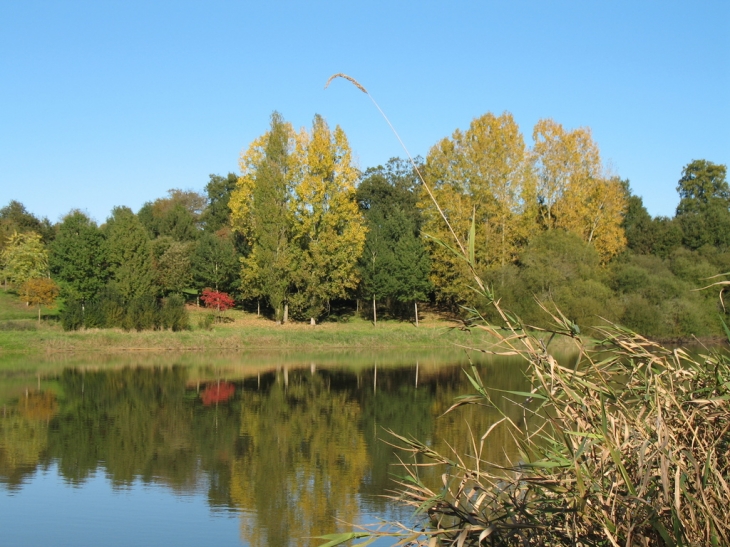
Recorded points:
161,451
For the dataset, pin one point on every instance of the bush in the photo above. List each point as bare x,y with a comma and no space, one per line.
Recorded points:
108,310
641,316
72,316
173,314
143,313
206,321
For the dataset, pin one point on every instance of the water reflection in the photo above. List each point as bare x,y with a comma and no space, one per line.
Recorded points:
287,448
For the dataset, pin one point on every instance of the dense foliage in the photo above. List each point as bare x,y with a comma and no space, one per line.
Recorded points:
302,228
109,309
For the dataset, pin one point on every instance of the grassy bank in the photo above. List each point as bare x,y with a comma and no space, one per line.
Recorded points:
21,332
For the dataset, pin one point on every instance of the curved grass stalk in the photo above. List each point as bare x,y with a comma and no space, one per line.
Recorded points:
631,446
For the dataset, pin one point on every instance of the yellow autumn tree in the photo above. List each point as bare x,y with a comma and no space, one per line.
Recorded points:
40,291
574,192
295,206
484,172
329,229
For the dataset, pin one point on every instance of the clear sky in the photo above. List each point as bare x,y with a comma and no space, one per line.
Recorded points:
113,102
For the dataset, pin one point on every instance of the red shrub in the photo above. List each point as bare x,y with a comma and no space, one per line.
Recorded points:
217,300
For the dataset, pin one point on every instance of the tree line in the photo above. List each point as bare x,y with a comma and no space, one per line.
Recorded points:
303,234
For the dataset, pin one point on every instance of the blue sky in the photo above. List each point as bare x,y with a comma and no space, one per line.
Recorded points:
115,102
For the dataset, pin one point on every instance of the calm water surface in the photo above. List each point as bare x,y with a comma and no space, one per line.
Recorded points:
237,450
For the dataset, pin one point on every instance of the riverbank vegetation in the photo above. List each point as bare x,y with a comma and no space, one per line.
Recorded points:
628,446
238,330
303,235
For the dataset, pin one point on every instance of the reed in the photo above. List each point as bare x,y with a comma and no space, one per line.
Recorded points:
629,447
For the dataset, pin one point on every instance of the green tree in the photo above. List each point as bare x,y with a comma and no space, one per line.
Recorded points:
262,212
14,217
637,223
172,263
704,208
129,253
215,262
177,215
394,264
217,214
702,183
78,256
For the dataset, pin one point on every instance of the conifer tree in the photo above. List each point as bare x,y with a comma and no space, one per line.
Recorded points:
394,264
130,255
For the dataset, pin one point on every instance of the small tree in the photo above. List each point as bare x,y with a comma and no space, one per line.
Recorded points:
216,300
24,257
41,291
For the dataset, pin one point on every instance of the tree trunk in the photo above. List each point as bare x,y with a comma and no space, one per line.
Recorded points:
39,315
375,314
286,312
258,307
415,303
312,321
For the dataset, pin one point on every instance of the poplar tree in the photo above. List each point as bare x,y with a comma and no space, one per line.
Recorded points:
574,192
328,229
262,212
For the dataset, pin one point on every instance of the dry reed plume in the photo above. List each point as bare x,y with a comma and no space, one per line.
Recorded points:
630,447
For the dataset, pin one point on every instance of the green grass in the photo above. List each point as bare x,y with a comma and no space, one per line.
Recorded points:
21,332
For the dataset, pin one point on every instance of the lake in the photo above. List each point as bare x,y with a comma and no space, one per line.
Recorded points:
236,450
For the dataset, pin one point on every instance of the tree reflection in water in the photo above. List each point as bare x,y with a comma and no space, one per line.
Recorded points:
288,449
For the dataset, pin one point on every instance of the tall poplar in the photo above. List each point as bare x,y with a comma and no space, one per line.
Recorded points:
329,229
261,212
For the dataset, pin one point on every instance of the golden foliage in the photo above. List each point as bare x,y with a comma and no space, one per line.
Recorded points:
40,291
279,477
484,172
329,227
574,191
